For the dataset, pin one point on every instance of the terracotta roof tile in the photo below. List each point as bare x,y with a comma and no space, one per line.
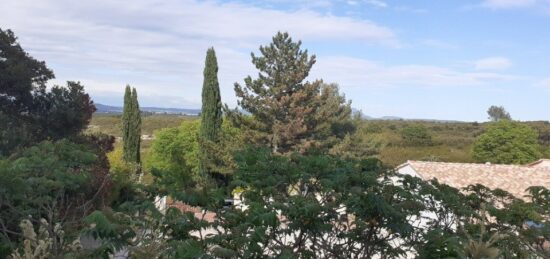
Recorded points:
512,178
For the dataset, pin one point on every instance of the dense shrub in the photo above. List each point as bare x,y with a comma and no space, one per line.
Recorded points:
507,142
544,138
416,135
59,181
177,149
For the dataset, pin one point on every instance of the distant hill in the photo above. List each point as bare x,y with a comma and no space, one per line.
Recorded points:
395,118
102,108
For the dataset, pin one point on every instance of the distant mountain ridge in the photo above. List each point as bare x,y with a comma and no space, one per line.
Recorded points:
102,108
395,118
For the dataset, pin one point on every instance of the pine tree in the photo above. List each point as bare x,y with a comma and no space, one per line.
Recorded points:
287,110
211,113
131,127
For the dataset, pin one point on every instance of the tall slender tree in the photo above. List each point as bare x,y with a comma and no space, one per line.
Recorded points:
126,118
136,128
131,126
211,112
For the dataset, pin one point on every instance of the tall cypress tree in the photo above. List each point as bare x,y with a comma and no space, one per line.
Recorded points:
126,119
136,128
131,127
211,112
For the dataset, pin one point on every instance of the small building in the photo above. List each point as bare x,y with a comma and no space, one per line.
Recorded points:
514,179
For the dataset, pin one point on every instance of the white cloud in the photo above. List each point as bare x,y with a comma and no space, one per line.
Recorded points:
493,63
377,3
160,46
354,72
507,4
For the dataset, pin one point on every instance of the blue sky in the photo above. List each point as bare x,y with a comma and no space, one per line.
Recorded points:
414,59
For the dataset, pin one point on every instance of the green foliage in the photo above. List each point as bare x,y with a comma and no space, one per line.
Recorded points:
123,176
29,113
507,142
126,122
174,158
288,113
359,144
330,207
131,127
416,135
317,206
58,181
177,149
211,112
498,113
451,141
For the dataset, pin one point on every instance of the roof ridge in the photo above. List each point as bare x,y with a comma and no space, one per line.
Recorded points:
475,164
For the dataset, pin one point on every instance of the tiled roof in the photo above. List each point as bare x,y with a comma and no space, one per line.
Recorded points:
198,212
512,178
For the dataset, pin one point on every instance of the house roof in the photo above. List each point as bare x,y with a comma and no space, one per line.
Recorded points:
512,178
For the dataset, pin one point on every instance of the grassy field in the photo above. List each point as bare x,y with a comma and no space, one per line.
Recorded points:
110,124
451,142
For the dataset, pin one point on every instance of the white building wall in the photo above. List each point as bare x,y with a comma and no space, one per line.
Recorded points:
408,170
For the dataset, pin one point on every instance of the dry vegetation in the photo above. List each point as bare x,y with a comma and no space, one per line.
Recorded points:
451,141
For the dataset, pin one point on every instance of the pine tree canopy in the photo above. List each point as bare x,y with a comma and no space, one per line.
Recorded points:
288,111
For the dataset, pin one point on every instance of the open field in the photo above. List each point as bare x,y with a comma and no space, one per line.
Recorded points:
451,142
110,123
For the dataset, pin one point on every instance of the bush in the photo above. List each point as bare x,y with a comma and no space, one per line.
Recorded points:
177,149
416,135
61,181
507,142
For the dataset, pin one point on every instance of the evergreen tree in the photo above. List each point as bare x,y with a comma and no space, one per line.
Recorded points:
29,112
136,128
211,113
131,127
126,118
288,112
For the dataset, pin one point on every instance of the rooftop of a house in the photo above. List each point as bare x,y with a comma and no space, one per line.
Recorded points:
512,178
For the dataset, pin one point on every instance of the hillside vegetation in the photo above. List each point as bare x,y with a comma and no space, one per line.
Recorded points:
450,141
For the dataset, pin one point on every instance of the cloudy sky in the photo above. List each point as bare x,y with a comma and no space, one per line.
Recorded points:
414,59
